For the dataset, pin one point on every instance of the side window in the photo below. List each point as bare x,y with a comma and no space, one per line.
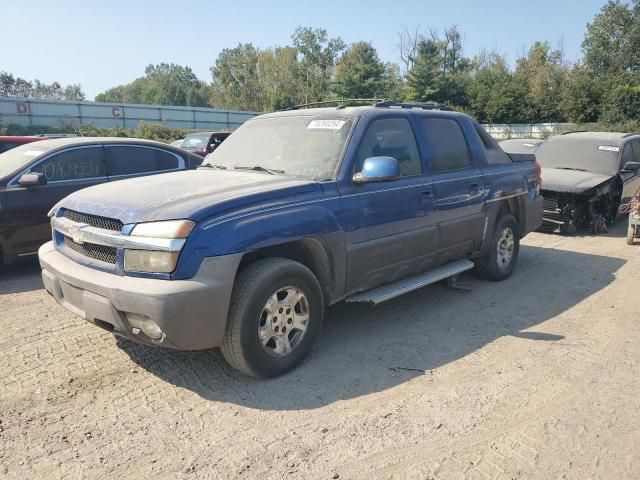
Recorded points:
132,160
636,151
447,144
494,154
74,164
391,137
627,155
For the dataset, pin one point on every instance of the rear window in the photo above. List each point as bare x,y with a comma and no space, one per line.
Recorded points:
133,160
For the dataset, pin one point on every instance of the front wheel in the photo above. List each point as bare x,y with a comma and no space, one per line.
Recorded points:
275,316
501,258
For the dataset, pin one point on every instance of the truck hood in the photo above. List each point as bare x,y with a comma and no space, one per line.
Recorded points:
193,194
570,181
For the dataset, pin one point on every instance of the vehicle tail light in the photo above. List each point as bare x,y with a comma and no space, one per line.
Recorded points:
538,169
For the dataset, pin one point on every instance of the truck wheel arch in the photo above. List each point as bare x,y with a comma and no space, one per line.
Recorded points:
310,252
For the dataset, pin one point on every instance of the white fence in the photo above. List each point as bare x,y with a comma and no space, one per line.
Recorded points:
54,113
528,130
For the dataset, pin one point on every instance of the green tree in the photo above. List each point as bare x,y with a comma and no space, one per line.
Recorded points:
235,79
581,97
279,78
422,79
612,40
162,84
360,73
621,105
543,72
496,95
318,55
11,86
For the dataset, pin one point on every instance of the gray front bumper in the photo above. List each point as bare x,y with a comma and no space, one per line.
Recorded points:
191,313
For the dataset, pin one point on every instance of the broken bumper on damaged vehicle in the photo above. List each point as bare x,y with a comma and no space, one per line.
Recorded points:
181,314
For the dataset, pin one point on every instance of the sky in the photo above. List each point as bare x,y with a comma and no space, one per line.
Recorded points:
108,43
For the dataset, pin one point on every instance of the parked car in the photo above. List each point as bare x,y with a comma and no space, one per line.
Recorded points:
203,143
296,211
177,143
586,177
8,142
520,145
34,177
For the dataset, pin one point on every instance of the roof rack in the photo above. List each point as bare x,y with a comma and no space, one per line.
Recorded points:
340,103
424,105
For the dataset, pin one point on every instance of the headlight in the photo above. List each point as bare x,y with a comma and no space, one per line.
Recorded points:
150,261
165,229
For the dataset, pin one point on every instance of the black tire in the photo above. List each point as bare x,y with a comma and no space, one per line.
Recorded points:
491,266
255,285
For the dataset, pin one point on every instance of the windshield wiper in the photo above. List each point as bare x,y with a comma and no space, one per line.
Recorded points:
259,168
211,165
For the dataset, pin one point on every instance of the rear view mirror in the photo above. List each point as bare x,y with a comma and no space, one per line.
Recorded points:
32,179
631,167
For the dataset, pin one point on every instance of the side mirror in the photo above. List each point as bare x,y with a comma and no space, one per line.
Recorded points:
631,167
378,169
32,179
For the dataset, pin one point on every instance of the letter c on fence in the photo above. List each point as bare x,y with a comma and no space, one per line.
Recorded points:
22,108
115,111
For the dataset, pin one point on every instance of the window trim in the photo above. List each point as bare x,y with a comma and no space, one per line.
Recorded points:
415,139
429,153
623,147
14,181
181,161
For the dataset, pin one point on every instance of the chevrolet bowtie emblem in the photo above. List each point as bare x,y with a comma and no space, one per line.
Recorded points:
76,234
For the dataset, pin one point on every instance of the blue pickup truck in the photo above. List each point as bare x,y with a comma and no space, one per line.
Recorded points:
295,211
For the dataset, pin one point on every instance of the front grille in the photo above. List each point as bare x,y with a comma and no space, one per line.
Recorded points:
550,203
94,220
92,250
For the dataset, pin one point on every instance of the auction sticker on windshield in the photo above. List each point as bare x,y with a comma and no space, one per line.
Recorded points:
326,124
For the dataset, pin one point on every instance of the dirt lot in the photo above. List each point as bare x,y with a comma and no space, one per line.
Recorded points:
536,377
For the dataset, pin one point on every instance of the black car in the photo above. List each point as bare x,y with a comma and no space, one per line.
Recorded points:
585,178
35,176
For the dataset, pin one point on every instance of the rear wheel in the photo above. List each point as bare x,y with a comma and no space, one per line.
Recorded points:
501,258
275,316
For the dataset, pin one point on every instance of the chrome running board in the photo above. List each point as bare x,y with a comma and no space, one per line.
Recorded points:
406,285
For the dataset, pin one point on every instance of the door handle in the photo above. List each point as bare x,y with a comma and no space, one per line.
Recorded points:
426,193
474,188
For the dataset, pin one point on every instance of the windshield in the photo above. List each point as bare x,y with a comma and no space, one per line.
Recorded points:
302,146
197,141
19,157
579,155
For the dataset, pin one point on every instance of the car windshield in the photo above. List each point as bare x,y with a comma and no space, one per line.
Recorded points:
571,154
196,141
302,146
20,157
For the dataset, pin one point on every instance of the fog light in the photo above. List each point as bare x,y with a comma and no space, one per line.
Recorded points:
150,328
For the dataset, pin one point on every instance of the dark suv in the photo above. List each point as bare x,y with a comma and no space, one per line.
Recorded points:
33,177
203,143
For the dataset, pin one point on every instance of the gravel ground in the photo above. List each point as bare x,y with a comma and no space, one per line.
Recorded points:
535,377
